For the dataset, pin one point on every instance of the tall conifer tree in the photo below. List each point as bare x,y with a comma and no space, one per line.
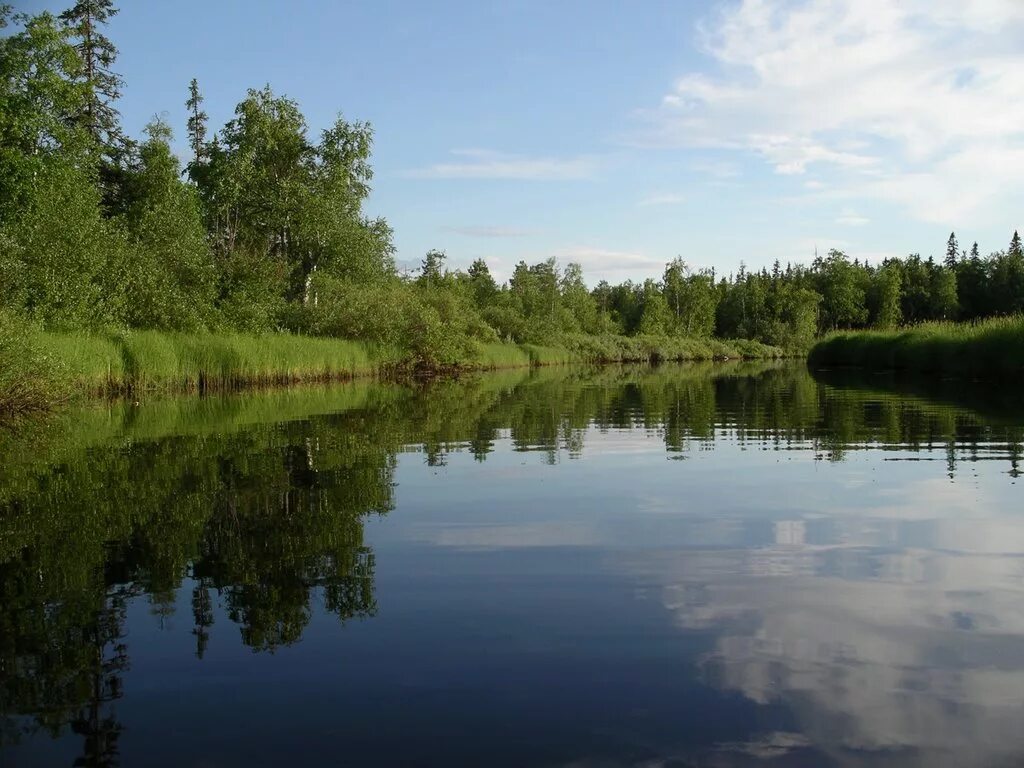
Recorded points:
952,249
1015,246
98,115
196,122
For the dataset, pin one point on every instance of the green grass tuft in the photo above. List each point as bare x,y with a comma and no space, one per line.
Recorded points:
985,348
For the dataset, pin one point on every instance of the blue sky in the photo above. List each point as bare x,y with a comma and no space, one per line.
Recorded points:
621,135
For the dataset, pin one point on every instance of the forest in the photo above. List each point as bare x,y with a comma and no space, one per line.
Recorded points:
261,229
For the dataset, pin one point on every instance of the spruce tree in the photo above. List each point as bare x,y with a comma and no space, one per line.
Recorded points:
1015,246
196,122
952,249
103,86
974,250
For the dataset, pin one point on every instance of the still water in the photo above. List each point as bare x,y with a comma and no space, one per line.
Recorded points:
723,565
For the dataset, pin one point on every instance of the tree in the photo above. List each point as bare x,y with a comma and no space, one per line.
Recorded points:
952,251
482,285
842,294
943,304
196,122
261,179
1015,249
431,269
102,88
40,92
674,279
581,309
691,298
655,316
171,281
887,286
332,233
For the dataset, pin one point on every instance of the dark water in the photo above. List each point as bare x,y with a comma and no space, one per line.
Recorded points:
717,566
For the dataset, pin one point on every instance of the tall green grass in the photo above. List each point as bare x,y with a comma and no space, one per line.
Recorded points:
986,348
39,368
30,380
643,349
148,360
494,356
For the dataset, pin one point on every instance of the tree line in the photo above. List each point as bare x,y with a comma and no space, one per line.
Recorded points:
263,229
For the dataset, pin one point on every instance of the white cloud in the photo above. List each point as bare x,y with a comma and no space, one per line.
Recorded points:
663,199
490,232
717,169
918,102
850,218
604,263
487,164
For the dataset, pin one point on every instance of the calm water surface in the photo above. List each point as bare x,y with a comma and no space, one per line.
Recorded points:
722,565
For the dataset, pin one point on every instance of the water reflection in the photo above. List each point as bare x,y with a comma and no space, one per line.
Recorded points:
886,621
900,658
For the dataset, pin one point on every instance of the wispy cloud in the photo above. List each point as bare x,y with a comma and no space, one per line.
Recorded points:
919,102
600,262
491,232
717,169
850,218
488,164
663,199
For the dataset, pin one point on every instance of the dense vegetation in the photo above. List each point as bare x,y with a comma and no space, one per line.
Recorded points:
988,347
263,231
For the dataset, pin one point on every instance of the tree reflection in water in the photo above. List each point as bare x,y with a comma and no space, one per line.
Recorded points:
257,502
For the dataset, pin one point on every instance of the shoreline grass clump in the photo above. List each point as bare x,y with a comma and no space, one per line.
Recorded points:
30,380
40,368
132,361
983,349
612,348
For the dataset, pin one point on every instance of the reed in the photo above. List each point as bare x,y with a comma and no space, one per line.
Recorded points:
39,368
984,349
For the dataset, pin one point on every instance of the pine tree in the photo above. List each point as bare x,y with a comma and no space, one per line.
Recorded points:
103,86
974,250
1015,246
430,270
952,249
196,122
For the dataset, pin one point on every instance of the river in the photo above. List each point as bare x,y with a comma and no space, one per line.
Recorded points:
727,565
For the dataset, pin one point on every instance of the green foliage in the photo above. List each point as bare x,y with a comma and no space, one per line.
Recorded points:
102,85
268,233
842,291
987,348
655,319
884,298
172,281
63,247
30,380
143,360
39,94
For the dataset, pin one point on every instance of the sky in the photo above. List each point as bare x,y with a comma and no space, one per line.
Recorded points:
621,135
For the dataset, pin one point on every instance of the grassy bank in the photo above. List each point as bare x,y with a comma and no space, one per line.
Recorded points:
38,369
985,349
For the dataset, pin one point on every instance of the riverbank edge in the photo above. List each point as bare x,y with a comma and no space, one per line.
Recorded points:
44,369
983,349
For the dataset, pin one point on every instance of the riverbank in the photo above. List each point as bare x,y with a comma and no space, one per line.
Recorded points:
40,369
984,349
